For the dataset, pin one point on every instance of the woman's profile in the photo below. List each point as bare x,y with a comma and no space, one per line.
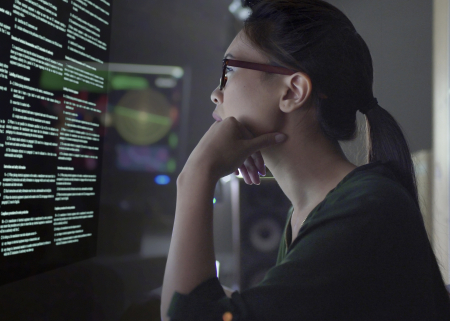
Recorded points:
355,245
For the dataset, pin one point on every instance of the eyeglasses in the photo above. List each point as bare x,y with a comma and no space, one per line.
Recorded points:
253,66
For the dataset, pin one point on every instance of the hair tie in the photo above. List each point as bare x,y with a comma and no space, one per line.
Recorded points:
373,103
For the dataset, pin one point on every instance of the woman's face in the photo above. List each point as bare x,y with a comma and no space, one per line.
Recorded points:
249,98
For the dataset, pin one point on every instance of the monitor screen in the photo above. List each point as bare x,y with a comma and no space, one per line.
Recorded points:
53,94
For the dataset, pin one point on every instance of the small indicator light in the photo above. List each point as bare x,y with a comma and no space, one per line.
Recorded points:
162,179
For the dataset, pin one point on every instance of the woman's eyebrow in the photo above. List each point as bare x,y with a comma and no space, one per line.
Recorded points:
228,55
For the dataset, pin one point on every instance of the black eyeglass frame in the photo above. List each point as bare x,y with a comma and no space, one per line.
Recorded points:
253,66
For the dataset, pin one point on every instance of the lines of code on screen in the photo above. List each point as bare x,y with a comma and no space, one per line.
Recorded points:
53,94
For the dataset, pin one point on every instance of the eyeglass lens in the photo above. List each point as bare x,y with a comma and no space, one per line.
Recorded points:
223,79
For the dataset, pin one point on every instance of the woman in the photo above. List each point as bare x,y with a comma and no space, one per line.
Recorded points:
355,246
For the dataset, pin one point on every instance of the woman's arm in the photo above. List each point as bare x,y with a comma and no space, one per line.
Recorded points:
191,258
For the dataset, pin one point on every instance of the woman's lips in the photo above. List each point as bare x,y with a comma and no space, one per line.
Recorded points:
216,117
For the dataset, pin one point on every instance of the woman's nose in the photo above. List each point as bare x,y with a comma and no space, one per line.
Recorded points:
216,96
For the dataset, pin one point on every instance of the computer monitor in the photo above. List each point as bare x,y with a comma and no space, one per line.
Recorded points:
53,100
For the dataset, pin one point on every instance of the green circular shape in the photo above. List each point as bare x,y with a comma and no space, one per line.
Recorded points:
142,117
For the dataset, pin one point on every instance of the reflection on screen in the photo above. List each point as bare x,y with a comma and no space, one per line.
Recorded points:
53,97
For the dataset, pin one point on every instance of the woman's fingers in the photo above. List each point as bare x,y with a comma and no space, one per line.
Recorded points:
252,170
245,175
259,163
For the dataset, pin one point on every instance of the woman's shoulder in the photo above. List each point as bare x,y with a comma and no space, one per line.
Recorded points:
371,187
371,181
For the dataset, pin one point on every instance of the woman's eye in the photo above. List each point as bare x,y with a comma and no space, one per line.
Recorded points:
229,69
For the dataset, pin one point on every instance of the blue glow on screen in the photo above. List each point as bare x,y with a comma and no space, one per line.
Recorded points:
162,179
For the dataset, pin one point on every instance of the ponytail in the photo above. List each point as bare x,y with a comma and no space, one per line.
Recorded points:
386,143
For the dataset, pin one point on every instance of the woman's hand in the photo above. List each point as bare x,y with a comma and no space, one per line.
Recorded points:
227,146
252,168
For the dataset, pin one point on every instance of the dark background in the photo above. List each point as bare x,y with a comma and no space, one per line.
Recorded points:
134,231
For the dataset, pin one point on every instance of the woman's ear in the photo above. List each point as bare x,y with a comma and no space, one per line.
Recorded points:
297,91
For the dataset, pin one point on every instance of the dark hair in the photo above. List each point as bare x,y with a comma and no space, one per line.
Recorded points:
316,38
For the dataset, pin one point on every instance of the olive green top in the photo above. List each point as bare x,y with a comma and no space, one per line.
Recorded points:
362,254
